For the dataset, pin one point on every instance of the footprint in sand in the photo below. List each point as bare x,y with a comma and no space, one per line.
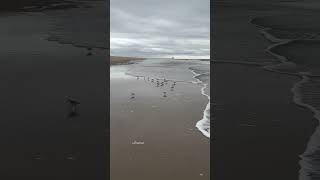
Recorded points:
248,125
36,156
70,157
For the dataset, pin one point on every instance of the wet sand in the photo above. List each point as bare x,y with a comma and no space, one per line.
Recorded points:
258,132
36,5
152,136
264,115
41,138
303,53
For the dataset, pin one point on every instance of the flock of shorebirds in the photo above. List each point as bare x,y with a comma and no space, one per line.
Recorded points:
158,83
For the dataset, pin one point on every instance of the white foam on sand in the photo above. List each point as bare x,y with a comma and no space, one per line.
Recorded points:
203,125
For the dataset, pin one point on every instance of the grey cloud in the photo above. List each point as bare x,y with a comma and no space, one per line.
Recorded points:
153,28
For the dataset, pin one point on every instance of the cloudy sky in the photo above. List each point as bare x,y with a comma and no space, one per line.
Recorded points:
160,28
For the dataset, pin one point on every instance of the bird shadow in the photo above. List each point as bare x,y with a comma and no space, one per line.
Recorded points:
72,115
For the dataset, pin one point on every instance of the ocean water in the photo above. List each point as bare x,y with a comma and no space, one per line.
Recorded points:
196,72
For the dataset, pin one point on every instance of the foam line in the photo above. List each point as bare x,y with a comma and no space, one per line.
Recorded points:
203,125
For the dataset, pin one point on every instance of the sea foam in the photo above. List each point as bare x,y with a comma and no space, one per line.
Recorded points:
203,125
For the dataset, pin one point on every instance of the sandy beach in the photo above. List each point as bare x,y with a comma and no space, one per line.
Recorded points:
117,60
154,134
266,91
40,138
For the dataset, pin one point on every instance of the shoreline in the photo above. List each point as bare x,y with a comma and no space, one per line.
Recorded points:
304,76
253,123
294,121
203,124
291,68
153,134
120,60
305,92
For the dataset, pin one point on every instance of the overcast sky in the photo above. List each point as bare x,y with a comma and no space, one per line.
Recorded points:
160,28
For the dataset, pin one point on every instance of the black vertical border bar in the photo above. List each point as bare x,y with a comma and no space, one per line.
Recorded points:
107,127
212,34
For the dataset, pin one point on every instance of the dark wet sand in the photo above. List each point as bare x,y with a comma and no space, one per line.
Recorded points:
36,5
173,147
303,52
39,137
258,131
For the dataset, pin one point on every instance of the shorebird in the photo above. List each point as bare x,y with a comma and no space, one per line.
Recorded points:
73,103
164,94
89,53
